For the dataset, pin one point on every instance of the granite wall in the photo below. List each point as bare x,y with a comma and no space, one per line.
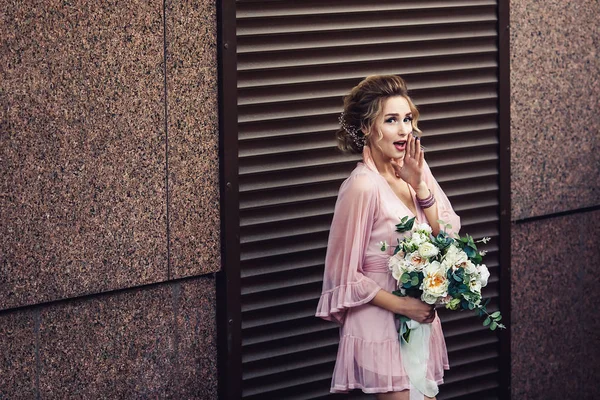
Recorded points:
109,199
555,173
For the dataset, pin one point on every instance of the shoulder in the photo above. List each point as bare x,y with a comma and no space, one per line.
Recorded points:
362,180
360,189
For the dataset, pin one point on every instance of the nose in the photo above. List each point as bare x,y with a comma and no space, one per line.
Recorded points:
405,129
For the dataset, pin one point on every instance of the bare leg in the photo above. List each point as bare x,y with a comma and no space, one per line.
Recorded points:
403,395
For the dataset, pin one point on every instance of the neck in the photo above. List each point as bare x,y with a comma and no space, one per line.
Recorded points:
383,163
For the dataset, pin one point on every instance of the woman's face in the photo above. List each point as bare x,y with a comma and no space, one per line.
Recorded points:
395,124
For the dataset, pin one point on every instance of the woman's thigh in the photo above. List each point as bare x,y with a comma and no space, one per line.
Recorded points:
403,395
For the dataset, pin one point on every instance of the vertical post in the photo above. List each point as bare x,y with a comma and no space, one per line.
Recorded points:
505,193
228,279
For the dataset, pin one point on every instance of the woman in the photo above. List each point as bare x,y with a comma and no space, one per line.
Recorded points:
393,180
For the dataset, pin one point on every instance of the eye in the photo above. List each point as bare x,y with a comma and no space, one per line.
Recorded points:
391,120
408,118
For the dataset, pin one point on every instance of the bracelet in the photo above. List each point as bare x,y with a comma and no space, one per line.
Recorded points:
426,202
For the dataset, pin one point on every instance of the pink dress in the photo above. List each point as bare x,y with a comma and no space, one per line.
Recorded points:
366,213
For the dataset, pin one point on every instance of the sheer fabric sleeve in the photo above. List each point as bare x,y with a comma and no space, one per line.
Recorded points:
445,211
344,284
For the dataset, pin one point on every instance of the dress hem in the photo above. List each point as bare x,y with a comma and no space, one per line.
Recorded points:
346,389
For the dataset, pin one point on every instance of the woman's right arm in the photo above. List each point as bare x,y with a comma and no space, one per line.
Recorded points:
410,307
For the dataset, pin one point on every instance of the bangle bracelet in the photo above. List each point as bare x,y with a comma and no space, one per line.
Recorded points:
426,202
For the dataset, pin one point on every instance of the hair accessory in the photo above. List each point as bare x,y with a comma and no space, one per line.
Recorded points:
426,202
357,136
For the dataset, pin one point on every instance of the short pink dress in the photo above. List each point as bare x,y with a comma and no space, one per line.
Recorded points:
366,213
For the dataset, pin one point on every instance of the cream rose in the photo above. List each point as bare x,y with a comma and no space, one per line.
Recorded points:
395,264
454,258
435,283
416,261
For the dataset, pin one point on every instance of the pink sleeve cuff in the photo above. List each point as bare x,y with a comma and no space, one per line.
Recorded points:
333,303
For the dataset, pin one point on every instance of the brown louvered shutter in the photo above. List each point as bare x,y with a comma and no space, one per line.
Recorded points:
295,61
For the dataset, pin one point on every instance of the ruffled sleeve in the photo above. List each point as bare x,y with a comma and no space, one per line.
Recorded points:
445,211
344,284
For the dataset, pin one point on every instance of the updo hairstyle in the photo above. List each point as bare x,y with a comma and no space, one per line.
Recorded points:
364,104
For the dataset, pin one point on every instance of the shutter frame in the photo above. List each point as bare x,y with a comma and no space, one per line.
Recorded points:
285,111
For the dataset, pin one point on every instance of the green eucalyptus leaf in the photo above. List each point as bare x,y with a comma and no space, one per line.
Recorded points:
493,326
469,251
487,321
404,278
496,314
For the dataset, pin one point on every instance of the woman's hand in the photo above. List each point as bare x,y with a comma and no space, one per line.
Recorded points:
413,308
417,310
410,168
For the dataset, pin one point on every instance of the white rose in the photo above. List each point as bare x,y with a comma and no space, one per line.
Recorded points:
422,228
475,286
435,282
428,250
417,238
470,268
484,274
429,298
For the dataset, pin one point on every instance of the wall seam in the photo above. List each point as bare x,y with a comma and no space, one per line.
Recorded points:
557,214
168,199
107,293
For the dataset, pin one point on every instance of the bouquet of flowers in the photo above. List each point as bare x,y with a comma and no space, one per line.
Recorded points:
440,270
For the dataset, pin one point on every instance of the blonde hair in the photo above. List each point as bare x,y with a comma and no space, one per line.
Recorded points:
364,104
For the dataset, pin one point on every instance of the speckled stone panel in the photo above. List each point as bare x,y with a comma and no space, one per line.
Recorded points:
194,218
197,340
555,298
555,94
145,343
17,355
82,148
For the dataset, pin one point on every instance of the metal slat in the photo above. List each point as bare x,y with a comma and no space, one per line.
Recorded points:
303,41
277,9
344,20
357,54
355,72
323,106
453,82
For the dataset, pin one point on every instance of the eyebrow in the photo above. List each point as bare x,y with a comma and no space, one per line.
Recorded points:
396,114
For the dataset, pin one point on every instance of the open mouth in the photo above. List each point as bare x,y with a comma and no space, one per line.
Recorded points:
400,145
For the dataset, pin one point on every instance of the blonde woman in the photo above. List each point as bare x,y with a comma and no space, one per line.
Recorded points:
393,180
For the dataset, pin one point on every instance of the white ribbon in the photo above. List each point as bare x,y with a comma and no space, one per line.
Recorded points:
415,354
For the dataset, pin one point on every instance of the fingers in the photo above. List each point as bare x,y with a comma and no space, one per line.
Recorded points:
410,146
421,155
430,317
417,146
